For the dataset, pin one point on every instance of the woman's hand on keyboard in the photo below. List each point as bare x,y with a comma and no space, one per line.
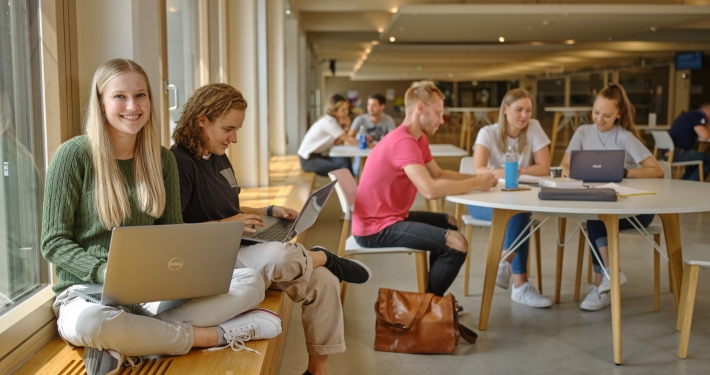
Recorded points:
285,213
250,221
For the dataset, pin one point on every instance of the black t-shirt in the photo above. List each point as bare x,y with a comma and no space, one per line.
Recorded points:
208,188
683,129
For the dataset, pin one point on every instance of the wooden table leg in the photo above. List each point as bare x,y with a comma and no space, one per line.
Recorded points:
561,226
465,120
472,124
555,124
671,231
499,223
612,233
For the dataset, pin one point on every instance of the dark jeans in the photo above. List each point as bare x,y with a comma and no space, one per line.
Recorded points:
322,165
691,172
423,231
597,234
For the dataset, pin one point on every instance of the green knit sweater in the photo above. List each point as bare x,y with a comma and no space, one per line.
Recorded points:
73,238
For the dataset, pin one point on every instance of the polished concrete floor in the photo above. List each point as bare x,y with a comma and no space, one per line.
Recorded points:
558,340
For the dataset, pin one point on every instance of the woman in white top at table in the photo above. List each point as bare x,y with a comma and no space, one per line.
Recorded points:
613,129
329,130
514,128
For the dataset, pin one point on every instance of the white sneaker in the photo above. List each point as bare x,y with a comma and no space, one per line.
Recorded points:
529,296
255,324
505,272
606,284
594,300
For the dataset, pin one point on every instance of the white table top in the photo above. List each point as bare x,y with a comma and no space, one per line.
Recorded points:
674,196
472,109
568,109
437,150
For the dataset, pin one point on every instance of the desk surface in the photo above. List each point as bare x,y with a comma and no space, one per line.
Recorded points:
437,150
568,109
472,109
674,196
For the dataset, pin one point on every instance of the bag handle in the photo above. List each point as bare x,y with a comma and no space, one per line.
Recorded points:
417,317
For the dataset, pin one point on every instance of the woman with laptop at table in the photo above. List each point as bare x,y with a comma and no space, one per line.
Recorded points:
530,142
119,175
209,122
613,129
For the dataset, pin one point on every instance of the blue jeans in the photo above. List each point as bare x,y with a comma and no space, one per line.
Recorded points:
515,226
692,172
597,234
322,165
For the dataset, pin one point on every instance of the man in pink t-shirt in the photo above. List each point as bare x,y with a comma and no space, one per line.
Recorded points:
399,166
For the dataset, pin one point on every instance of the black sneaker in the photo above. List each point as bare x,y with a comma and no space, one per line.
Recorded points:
347,270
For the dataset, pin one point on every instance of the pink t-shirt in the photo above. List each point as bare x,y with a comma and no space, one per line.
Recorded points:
385,193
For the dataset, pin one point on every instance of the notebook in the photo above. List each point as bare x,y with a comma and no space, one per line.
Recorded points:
560,182
597,165
167,262
284,230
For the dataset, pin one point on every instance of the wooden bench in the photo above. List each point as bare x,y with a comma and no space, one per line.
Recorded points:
294,187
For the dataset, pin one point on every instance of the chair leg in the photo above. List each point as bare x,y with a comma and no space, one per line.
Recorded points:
656,275
561,226
687,304
467,264
422,270
580,263
670,279
538,260
590,266
701,172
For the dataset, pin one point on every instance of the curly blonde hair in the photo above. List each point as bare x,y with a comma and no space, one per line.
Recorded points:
213,101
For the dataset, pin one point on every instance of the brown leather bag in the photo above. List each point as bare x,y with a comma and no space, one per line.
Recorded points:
410,322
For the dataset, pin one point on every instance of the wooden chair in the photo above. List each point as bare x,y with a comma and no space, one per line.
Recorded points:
468,222
694,257
654,229
663,141
348,247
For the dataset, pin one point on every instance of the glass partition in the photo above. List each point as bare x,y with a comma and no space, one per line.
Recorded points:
550,93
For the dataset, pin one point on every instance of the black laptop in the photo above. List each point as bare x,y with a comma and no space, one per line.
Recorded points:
597,165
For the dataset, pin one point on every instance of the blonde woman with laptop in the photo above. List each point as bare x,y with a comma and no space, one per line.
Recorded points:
613,129
118,175
209,123
515,129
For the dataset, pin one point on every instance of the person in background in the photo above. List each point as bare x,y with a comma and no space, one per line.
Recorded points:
119,175
376,122
686,127
397,168
329,130
514,128
209,191
613,129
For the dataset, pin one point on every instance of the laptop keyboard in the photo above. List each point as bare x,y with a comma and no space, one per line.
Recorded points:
96,296
276,232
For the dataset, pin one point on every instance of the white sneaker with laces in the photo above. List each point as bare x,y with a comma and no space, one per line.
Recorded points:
255,324
594,300
505,272
605,285
529,296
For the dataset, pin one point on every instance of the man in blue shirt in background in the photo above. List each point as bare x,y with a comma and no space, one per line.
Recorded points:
685,129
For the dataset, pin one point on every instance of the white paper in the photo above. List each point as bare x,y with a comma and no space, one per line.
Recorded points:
625,191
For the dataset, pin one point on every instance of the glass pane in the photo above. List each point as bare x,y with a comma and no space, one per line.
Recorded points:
580,91
20,125
550,93
637,84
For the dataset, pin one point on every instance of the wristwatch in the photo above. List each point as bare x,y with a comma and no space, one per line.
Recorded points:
626,172
270,209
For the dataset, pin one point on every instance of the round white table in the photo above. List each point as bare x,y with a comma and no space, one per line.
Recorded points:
674,197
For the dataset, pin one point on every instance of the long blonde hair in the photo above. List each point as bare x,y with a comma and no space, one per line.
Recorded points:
511,97
110,190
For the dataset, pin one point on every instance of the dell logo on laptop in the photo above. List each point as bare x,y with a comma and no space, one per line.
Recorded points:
596,166
175,264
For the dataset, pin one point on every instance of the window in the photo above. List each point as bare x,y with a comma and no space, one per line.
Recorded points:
22,268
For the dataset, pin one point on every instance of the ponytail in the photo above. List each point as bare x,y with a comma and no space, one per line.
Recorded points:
614,91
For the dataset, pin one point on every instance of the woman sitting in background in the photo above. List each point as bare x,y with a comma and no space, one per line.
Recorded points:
525,135
613,129
329,130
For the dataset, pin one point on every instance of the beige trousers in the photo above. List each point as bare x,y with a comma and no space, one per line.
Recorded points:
289,267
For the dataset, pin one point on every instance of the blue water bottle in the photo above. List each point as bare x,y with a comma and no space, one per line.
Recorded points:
362,138
511,168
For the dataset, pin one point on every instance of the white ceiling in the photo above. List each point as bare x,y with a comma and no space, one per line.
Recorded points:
449,40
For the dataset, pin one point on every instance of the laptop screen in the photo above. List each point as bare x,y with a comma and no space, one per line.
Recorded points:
597,165
311,209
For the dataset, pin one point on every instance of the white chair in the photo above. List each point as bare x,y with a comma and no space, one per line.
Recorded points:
654,229
694,257
348,247
469,223
663,141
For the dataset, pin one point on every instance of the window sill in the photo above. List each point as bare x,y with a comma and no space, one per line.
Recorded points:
25,319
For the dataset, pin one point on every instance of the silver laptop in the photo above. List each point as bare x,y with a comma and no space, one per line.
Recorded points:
167,262
597,165
284,230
